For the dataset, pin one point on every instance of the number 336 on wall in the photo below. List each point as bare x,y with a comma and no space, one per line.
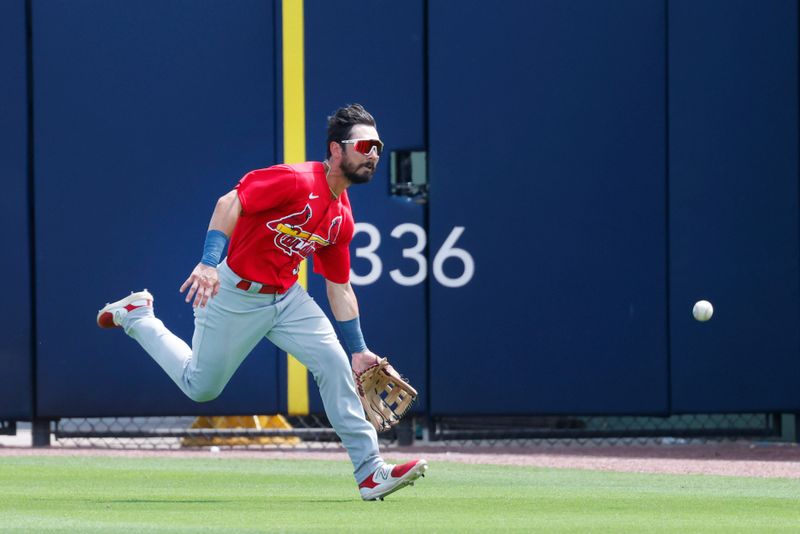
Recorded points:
414,253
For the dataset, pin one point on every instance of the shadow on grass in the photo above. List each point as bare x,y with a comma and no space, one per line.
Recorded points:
328,500
296,500
164,501
217,501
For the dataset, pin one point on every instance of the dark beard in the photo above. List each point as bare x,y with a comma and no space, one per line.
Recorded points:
358,175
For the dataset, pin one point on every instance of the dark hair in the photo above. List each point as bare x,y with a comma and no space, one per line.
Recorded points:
343,120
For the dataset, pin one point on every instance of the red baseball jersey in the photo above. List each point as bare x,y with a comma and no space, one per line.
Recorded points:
288,213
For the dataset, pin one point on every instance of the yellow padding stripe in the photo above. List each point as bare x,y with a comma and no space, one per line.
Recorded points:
294,151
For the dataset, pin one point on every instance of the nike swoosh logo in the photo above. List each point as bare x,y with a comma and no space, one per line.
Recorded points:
312,196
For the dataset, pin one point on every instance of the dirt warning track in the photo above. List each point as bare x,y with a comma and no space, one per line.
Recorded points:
767,460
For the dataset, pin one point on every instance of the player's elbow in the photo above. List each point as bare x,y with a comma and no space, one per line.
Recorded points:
228,201
226,213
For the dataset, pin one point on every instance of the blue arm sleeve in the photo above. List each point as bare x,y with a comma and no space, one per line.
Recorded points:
212,250
352,338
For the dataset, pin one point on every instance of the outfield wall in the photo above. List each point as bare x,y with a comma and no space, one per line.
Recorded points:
145,113
16,363
594,169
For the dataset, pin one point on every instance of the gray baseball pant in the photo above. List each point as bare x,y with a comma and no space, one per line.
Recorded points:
227,330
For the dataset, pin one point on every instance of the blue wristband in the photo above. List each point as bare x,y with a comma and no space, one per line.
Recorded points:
352,338
212,250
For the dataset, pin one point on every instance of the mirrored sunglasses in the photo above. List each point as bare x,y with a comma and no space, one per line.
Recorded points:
365,146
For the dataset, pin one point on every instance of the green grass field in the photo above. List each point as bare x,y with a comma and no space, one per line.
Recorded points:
215,494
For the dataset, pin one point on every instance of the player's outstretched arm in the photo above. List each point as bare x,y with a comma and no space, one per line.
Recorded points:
375,379
203,283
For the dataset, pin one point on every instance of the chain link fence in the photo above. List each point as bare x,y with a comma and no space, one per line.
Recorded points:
607,430
315,432
7,428
195,432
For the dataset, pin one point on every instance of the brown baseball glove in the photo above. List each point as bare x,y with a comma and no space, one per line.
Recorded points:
385,396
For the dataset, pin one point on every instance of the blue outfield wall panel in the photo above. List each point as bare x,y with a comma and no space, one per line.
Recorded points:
547,145
380,65
16,385
146,113
734,204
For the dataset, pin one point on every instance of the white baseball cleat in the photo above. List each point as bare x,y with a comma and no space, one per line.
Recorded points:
389,478
111,315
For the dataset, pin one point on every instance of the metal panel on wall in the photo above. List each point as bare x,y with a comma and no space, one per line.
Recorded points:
734,204
379,65
146,113
16,385
547,170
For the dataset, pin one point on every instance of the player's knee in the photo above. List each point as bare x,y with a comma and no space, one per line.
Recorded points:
204,394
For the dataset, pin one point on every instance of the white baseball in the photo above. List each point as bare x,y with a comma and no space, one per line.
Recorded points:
703,310
214,449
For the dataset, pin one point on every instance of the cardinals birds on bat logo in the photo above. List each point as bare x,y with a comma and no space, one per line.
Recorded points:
293,239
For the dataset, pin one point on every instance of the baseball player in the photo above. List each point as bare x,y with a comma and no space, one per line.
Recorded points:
272,220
